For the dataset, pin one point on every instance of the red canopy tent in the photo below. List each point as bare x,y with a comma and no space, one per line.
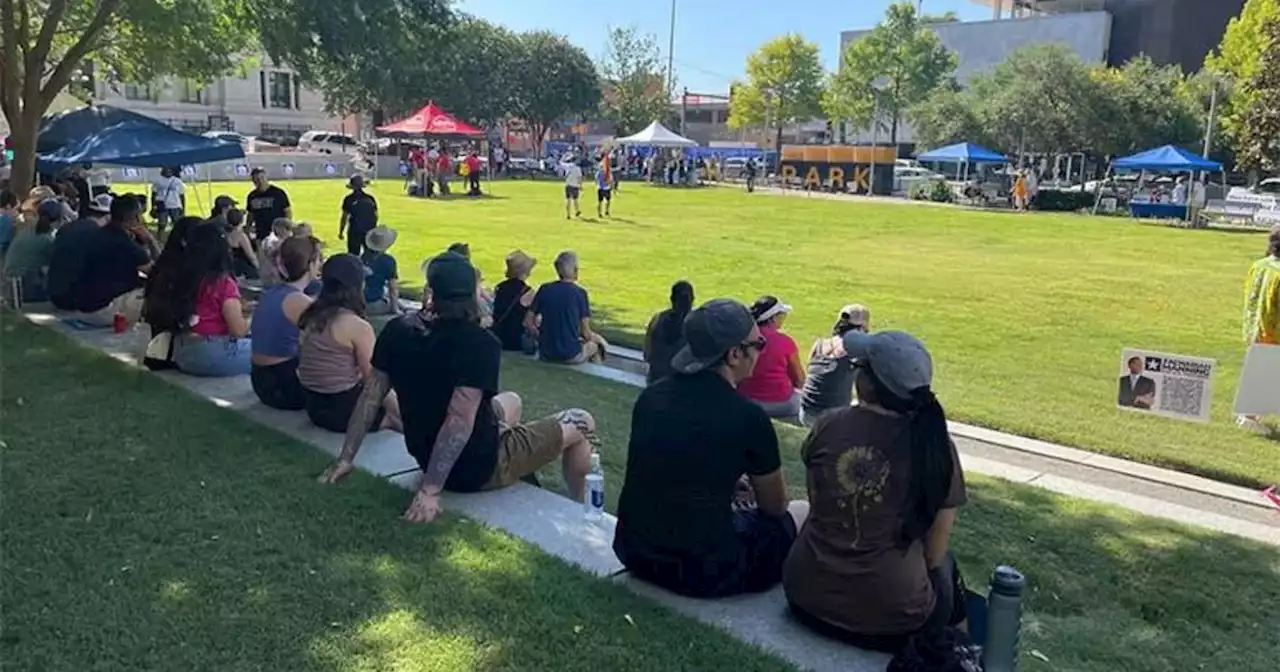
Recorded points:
431,121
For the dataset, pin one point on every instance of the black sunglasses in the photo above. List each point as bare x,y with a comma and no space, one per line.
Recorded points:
757,344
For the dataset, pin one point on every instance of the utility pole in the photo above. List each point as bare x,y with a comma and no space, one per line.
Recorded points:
671,51
684,108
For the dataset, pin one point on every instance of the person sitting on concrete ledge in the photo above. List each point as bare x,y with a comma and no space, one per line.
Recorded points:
464,434
381,285
115,258
200,304
511,300
829,385
244,258
336,350
27,259
275,326
665,335
561,317
872,564
775,383
704,510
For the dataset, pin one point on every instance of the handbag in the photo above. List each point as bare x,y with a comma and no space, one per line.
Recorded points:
158,355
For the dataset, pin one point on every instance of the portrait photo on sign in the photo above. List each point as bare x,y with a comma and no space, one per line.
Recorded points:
1159,383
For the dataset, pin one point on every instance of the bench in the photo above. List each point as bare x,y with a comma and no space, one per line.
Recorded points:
540,517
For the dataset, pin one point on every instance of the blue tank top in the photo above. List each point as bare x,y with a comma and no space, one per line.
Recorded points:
273,334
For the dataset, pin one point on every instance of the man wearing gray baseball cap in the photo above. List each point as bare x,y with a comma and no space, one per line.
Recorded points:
872,567
688,520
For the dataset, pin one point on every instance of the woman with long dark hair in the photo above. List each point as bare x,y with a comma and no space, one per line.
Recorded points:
163,276
829,383
871,565
200,303
336,351
665,335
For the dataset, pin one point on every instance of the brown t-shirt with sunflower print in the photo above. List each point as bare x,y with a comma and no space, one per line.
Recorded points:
847,566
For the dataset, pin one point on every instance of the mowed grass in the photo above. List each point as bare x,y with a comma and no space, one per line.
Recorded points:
1110,589
1025,315
145,529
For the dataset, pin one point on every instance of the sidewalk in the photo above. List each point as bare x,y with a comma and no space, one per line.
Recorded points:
1138,487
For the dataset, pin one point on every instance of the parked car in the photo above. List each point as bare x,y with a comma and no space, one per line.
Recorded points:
904,178
228,137
327,142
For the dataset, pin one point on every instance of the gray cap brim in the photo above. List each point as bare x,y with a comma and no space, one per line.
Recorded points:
685,362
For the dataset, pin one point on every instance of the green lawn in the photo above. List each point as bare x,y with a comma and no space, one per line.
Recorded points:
133,540
1025,315
146,529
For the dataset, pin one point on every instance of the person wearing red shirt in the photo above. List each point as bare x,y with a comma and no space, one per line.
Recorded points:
444,168
473,173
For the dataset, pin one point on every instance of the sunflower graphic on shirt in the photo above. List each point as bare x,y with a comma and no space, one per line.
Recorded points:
862,472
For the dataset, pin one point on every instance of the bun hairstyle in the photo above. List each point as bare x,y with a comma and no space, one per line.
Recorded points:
681,306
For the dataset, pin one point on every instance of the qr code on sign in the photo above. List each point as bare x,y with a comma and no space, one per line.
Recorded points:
1183,396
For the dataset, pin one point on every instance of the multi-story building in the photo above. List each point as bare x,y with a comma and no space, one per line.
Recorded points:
268,102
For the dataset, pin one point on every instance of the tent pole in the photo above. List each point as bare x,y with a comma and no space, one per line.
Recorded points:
1097,196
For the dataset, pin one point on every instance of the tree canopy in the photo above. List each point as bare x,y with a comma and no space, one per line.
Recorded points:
636,92
1259,124
900,62
1238,60
784,85
552,80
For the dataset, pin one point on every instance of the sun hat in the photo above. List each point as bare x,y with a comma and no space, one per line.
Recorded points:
451,276
380,238
342,271
898,359
100,204
855,314
710,331
519,263
768,307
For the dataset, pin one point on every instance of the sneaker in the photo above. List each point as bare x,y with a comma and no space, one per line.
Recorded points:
1252,424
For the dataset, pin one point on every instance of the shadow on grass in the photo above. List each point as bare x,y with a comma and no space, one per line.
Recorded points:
1110,589
146,529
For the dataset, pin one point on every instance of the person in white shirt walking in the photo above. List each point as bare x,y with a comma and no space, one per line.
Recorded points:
1196,201
572,187
168,198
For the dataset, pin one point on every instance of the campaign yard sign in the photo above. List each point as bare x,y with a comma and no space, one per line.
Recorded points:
1168,385
289,169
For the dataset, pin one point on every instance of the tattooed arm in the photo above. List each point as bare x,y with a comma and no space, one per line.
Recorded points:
376,386
459,422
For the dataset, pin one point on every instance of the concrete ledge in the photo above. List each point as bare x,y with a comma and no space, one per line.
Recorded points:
764,619
543,518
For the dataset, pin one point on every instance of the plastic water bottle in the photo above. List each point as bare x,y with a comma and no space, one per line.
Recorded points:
593,496
1004,620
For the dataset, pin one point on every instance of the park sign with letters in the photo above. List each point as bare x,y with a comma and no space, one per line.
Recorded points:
1158,383
841,168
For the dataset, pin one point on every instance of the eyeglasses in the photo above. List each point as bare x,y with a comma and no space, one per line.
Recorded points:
757,344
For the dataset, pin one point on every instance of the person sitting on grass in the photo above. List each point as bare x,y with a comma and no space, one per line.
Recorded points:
777,378
688,520
486,296
511,300
665,335
275,327
382,284
27,259
337,348
872,565
117,256
464,434
269,263
200,304
561,317
244,259
829,384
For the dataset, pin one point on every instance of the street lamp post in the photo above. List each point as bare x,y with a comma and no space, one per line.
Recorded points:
877,85
671,50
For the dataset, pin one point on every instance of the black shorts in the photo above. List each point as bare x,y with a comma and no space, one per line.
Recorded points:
603,195
763,544
277,385
572,192
333,411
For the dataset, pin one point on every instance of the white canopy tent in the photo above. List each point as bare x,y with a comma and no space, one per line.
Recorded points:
657,135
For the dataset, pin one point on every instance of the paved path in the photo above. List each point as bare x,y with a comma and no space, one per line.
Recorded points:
1070,471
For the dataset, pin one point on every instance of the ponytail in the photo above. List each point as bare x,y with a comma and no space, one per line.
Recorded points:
681,306
926,440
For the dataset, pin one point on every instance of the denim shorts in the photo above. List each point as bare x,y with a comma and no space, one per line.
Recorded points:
212,356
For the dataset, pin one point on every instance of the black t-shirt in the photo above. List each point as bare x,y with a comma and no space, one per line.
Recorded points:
70,248
361,210
692,438
265,207
665,340
426,362
508,312
110,268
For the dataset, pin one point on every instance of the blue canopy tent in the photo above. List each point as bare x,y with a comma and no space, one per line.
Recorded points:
963,154
145,144
65,128
1166,159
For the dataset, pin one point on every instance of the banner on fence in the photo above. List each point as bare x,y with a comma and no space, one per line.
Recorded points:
1158,383
288,169
330,169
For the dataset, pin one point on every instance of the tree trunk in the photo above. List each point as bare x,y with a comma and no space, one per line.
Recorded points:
893,131
25,130
777,143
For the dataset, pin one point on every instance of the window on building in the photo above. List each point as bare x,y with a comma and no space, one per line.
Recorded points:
137,91
280,94
722,116
191,92
697,116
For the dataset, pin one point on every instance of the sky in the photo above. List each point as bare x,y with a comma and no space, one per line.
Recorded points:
712,37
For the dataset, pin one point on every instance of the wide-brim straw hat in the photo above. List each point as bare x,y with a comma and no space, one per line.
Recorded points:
519,263
380,238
